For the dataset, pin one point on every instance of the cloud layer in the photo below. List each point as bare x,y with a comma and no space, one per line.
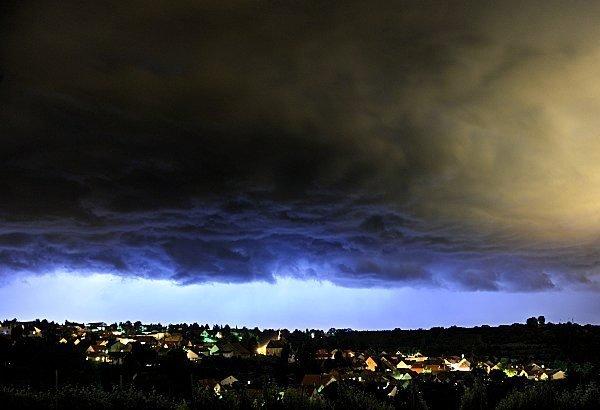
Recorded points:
429,144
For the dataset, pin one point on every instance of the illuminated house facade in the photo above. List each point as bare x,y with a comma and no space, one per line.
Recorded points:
275,347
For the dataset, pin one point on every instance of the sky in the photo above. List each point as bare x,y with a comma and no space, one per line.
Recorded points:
298,164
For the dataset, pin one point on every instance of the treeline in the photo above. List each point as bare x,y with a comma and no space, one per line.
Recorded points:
546,342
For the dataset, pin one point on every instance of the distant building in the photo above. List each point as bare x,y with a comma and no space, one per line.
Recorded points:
404,364
463,366
275,347
228,381
192,355
210,384
97,353
403,375
323,354
229,349
96,326
315,383
418,367
371,364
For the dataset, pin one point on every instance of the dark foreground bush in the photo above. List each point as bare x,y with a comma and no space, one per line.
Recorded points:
551,396
92,397
83,397
340,397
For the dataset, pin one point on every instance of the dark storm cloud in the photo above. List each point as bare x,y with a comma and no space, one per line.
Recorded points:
364,143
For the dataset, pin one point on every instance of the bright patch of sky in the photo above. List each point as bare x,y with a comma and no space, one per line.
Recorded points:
290,303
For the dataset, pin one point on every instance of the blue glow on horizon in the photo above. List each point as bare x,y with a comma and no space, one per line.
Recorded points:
290,303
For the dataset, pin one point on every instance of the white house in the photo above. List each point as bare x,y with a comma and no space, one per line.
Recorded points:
463,366
403,364
228,381
192,356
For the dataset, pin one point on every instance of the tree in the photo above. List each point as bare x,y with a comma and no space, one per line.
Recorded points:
497,375
532,322
541,320
475,397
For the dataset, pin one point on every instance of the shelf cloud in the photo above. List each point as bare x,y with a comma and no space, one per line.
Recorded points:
428,144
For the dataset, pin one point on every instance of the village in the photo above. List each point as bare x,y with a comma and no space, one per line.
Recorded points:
387,372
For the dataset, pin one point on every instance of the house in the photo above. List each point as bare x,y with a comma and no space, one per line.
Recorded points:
435,368
525,373
202,350
207,337
119,347
101,357
192,356
157,335
118,351
387,364
511,370
533,372
97,353
226,353
403,374
233,349
275,347
371,364
32,331
236,334
211,385
542,375
239,350
441,377
96,326
462,366
228,381
173,339
417,357
315,383
323,354
404,364
169,344
98,348
292,358
539,373
146,340
452,360
265,339
418,367
487,366
74,325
